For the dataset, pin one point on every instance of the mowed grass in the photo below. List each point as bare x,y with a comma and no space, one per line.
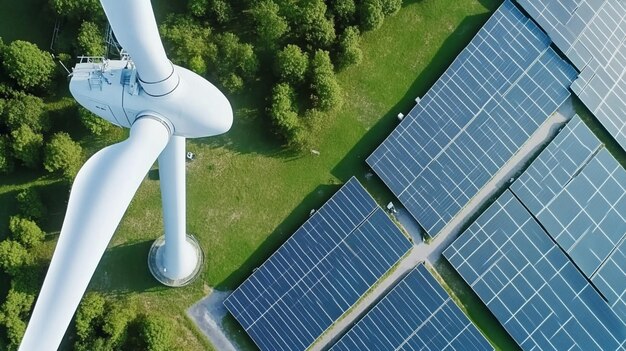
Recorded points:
246,196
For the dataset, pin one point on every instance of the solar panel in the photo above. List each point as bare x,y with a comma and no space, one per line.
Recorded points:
610,279
417,314
588,217
487,104
530,285
577,190
319,273
591,34
557,164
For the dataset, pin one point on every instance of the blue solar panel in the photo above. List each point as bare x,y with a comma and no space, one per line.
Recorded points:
319,273
530,285
610,279
591,34
588,217
418,314
557,164
486,105
577,190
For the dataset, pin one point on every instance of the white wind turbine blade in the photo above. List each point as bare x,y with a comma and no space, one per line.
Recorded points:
100,195
136,30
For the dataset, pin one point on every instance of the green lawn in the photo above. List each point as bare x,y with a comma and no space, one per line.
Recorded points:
245,195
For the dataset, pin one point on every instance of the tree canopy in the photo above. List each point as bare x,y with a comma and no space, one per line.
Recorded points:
96,125
326,93
26,109
291,64
269,24
90,40
64,155
27,64
26,146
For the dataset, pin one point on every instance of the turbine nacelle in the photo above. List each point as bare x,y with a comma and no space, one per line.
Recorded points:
112,90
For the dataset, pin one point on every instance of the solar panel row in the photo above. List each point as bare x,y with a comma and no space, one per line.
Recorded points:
591,34
577,190
418,314
530,285
487,104
319,273
587,218
557,164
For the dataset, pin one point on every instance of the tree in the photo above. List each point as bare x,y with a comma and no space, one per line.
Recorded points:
391,7
27,64
90,312
13,313
313,25
188,42
96,125
371,14
64,155
270,25
25,231
284,117
326,93
349,52
198,7
6,159
156,333
220,11
26,109
90,40
291,64
26,146
235,63
116,322
343,10
30,205
77,9
13,256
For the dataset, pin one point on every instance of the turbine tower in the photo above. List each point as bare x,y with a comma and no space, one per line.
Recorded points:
162,104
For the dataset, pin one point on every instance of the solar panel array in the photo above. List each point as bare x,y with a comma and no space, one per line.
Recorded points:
557,164
319,273
588,217
418,314
496,94
577,190
591,34
530,285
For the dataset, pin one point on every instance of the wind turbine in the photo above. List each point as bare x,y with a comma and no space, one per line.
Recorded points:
162,104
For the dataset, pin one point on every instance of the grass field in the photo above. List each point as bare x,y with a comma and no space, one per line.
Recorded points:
245,195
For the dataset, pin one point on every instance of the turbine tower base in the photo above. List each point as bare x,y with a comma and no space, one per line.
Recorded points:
156,262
